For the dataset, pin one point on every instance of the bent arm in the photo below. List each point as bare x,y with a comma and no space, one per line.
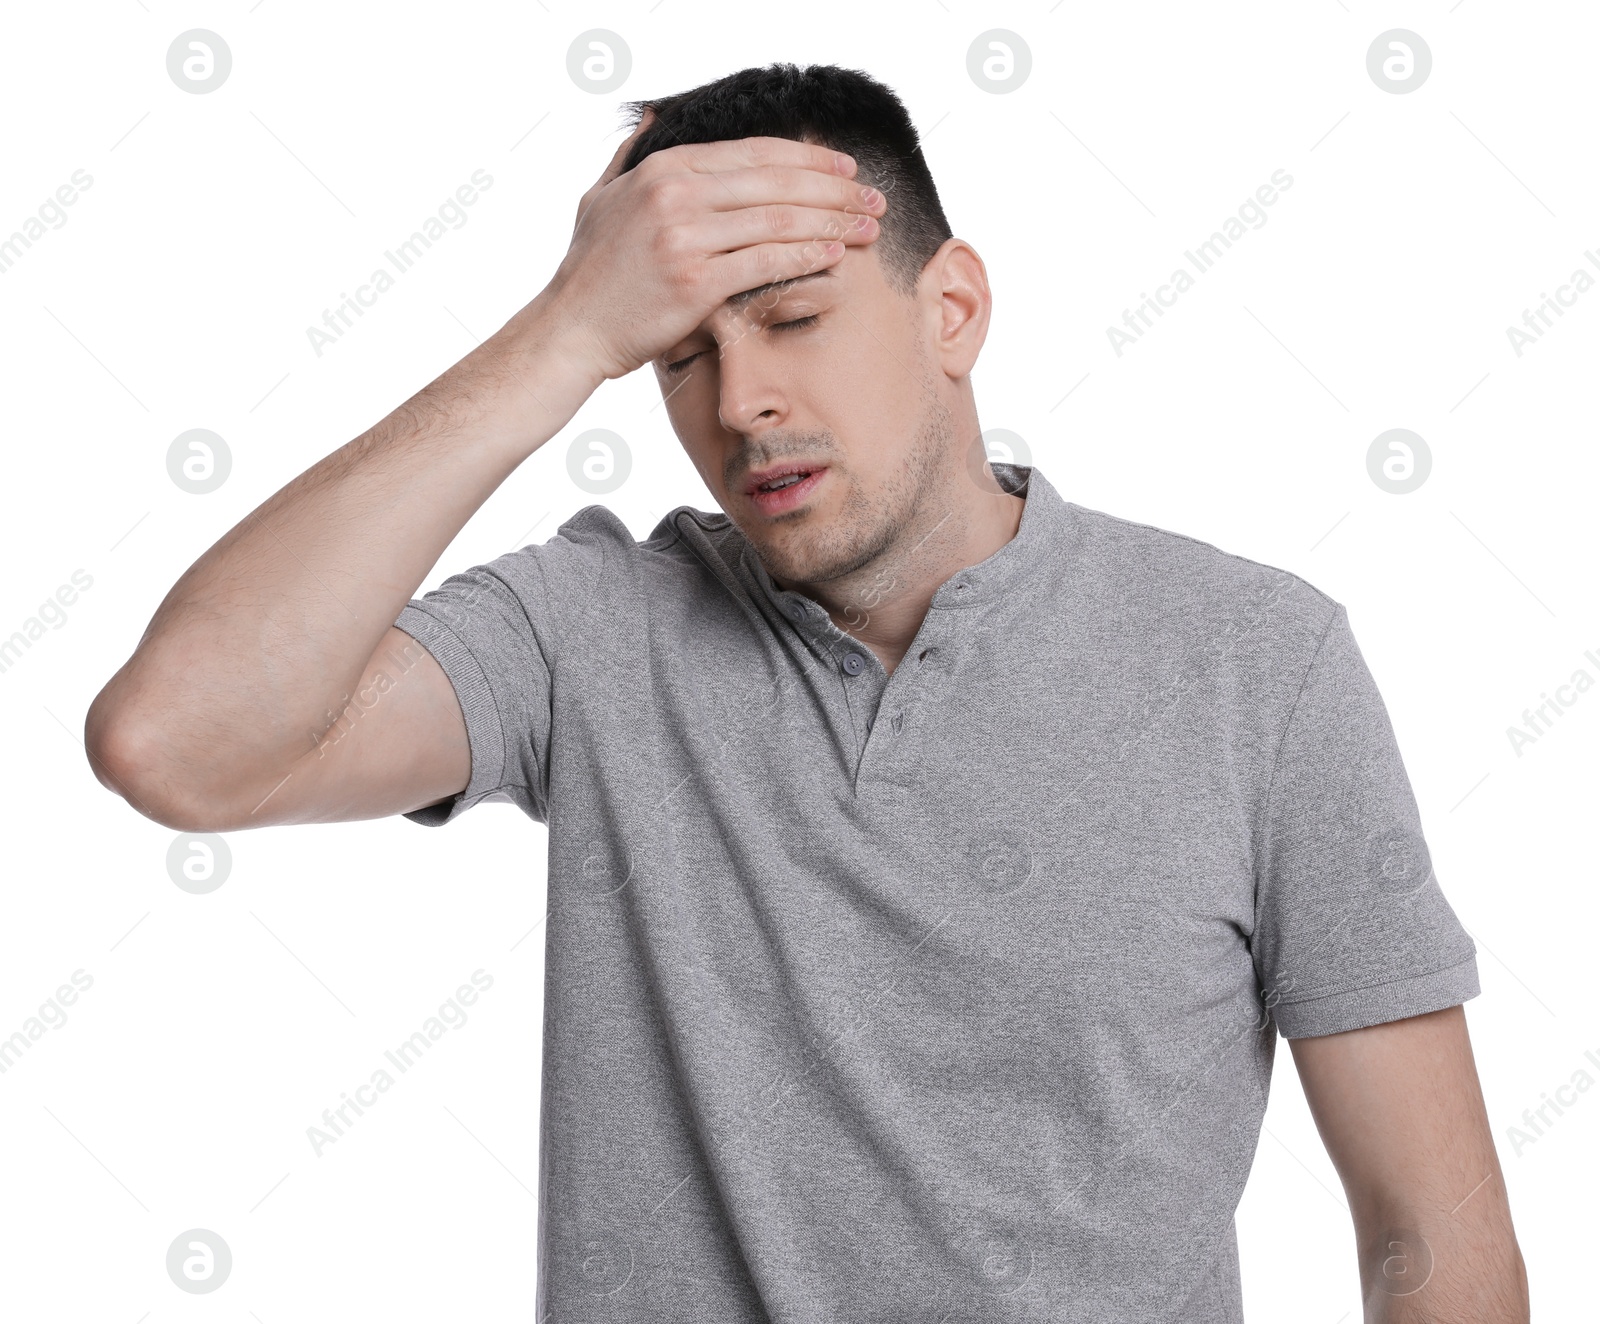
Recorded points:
220,718
223,718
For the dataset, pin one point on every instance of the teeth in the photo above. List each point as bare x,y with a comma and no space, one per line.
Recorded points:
788,480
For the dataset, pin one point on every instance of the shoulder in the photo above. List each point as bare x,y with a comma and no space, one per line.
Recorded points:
1150,582
594,557
601,528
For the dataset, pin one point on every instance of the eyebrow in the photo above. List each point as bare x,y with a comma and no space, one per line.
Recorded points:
782,286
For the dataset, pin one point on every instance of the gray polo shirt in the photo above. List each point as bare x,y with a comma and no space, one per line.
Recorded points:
947,995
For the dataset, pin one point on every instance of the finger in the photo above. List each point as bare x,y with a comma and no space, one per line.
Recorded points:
614,168
761,264
743,153
762,186
725,231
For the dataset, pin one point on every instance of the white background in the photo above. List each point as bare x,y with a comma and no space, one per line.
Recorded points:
218,228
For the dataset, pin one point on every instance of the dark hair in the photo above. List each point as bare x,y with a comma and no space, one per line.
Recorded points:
844,109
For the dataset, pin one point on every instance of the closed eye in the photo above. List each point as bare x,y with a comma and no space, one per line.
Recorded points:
797,324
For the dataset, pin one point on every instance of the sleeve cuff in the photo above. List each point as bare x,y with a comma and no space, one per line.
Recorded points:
1333,1013
485,735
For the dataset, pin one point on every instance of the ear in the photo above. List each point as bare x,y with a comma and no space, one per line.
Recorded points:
955,289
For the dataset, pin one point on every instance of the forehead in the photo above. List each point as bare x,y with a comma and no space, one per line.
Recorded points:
849,277
770,293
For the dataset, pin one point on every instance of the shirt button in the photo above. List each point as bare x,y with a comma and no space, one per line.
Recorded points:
854,663
797,610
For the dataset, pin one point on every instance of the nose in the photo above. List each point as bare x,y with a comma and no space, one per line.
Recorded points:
751,398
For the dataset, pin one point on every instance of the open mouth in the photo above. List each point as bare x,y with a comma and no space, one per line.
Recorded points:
786,491
786,481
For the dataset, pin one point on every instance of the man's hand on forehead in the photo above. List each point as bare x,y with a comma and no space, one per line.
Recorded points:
657,249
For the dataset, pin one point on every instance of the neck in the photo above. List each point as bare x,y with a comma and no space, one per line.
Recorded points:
884,603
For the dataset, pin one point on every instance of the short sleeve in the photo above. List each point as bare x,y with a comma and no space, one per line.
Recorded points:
479,626
1351,926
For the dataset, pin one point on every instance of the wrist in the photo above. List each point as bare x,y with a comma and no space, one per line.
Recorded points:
529,379
544,332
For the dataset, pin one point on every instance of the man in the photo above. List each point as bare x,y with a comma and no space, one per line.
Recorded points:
933,862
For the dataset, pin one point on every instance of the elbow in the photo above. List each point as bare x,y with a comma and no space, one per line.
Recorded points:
129,757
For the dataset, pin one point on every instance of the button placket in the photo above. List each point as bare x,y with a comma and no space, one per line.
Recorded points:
917,682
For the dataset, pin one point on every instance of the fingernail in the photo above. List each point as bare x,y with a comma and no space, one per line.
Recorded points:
870,196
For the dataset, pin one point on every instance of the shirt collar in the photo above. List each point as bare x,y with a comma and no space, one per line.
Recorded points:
1032,551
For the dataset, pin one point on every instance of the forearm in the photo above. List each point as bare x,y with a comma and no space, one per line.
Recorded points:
1445,1268
247,657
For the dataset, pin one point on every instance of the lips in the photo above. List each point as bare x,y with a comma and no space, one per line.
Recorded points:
759,480
792,496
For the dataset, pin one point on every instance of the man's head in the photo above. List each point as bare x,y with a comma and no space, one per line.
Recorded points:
839,108
861,367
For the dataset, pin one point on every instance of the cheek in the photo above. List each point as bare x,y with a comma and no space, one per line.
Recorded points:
872,381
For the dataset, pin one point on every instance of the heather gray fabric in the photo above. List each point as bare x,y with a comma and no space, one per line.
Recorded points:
944,996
